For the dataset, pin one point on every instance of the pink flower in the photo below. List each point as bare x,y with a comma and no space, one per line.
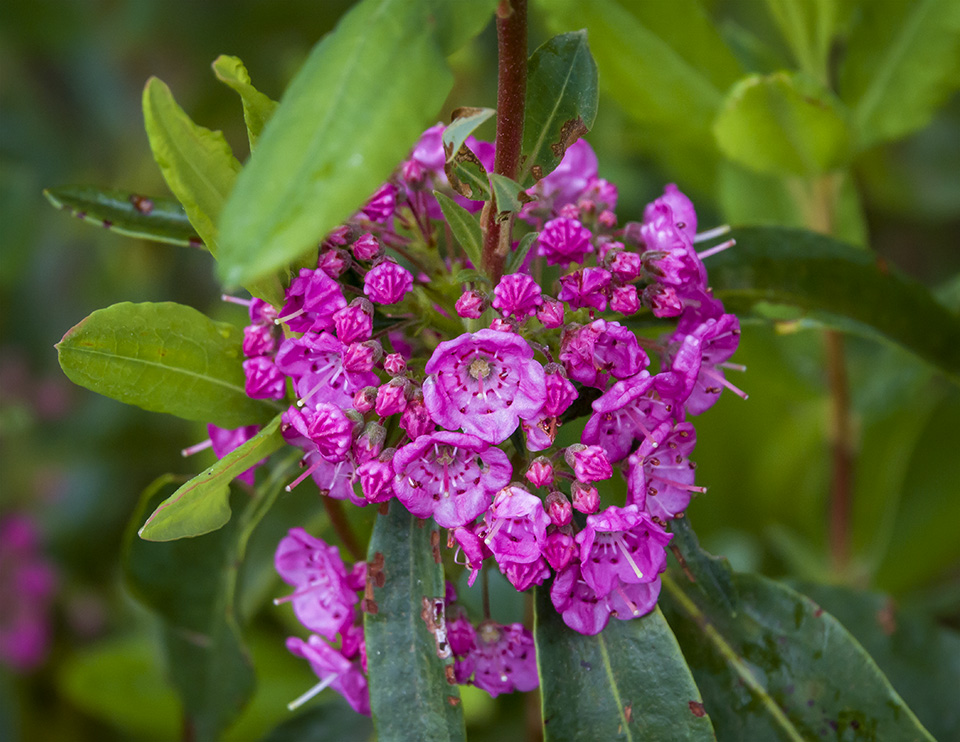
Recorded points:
367,248
449,476
681,208
505,659
312,300
334,670
540,472
585,288
325,424
263,379
564,241
376,480
315,362
550,313
471,304
559,509
387,282
484,383
381,204
719,339
559,549
589,463
577,603
517,294
625,300
594,352
354,322
516,526
660,479
259,340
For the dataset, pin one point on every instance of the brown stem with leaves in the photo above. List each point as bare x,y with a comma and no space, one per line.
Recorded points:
511,97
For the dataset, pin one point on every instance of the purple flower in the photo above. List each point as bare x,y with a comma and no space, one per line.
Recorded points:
541,431
334,670
263,379
586,287
505,659
470,541
662,300
390,397
660,479
387,282
669,255
632,600
718,338
681,208
627,412
550,313
381,204
334,480
517,294
333,261
315,362
450,476
322,599
224,441
354,322
516,526
484,383
564,241
259,340
594,352
577,603
312,300
524,575
626,265
376,480
471,304
325,424
416,420
625,300
568,181
589,463
621,545
367,248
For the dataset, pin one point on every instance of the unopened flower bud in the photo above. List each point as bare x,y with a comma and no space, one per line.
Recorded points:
416,420
501,324
540,472
367,248
334,262
586,498
365,399
662,300
550,313
625,300
370,442
559,549
354,322
394,364
589,463
558,508
471,304
391,398
387,282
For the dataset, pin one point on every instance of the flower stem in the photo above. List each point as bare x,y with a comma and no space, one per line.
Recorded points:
342,528
511,97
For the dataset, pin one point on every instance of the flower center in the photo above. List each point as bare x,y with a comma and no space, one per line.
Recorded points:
479,368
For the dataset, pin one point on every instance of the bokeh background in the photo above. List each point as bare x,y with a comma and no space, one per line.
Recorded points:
74,464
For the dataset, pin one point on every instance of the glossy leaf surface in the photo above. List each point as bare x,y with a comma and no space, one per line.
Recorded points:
464,227
408,685
561,102
351,113
818,274
629,682
131,214
163,357
203,504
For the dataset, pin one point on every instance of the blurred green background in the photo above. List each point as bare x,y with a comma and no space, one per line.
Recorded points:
71,75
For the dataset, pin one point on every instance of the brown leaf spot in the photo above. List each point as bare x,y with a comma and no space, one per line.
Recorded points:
570,132
453,701
141,203
451,678
697,709
628,712
462,111
886,617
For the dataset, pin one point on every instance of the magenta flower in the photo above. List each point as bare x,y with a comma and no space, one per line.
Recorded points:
593,353
484,383
367,248
224,441
449,476
719,338
263,379
550,313
662,300
312,300
517,294
524,575
621,545
315,362
632,600
259,340
471,304
322,599
585,288
589,463
394,364
567,182
505,659
516,526
387,282
540,472
333,262
416,420
334,670
541,431
669,255
577,603
625,300
564,241
559,549
334,480
681,208
559,509
354,322
470,542
326,425
660,479
626,265
381,205
585,496
391,399
376,480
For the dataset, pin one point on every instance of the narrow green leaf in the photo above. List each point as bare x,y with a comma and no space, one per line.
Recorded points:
409,691
190,584
203,504
359,102
257,108
561,106
516,258
464,122
470,276
828,280
146,217
464,227
782,668
197,163
902,63
165,358
808,29
509,195
629,682
920,658
782,124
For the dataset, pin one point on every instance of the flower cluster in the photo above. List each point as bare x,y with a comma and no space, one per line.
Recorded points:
450,398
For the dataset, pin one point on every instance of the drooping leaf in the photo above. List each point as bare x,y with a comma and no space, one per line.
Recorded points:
902,62
920,659
628,682
190,585
782,668
516,258
782,124
196,163
257,108
203,504
464,227
163,357
409,688
131,214
561,104
833,281
463,123
350,114
467,174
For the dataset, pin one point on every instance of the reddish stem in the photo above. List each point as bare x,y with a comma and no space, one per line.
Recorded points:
511,97
342,528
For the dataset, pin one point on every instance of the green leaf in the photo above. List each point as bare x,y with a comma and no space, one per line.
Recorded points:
146,217
561,102
831,280
920,658
197,163
359,102
782,124
457,23
782,668
468,275
257,108
463,123
628,682
509,195
163,357
190,585
464,227
331,721
808,29
656,59
203,504
409,691
902,63
467,175
516,258
713,575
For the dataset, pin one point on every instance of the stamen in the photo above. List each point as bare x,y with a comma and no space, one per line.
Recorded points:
679,485
236,300
719,377
711,233
290,316
202,446
732,366
629,558
497,525
298,702
307,472
715,249
630,604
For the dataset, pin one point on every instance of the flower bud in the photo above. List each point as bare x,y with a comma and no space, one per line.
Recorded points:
586,498
550,313
540,472
394,364
364,400
367,248
391,397
471,304
558,508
